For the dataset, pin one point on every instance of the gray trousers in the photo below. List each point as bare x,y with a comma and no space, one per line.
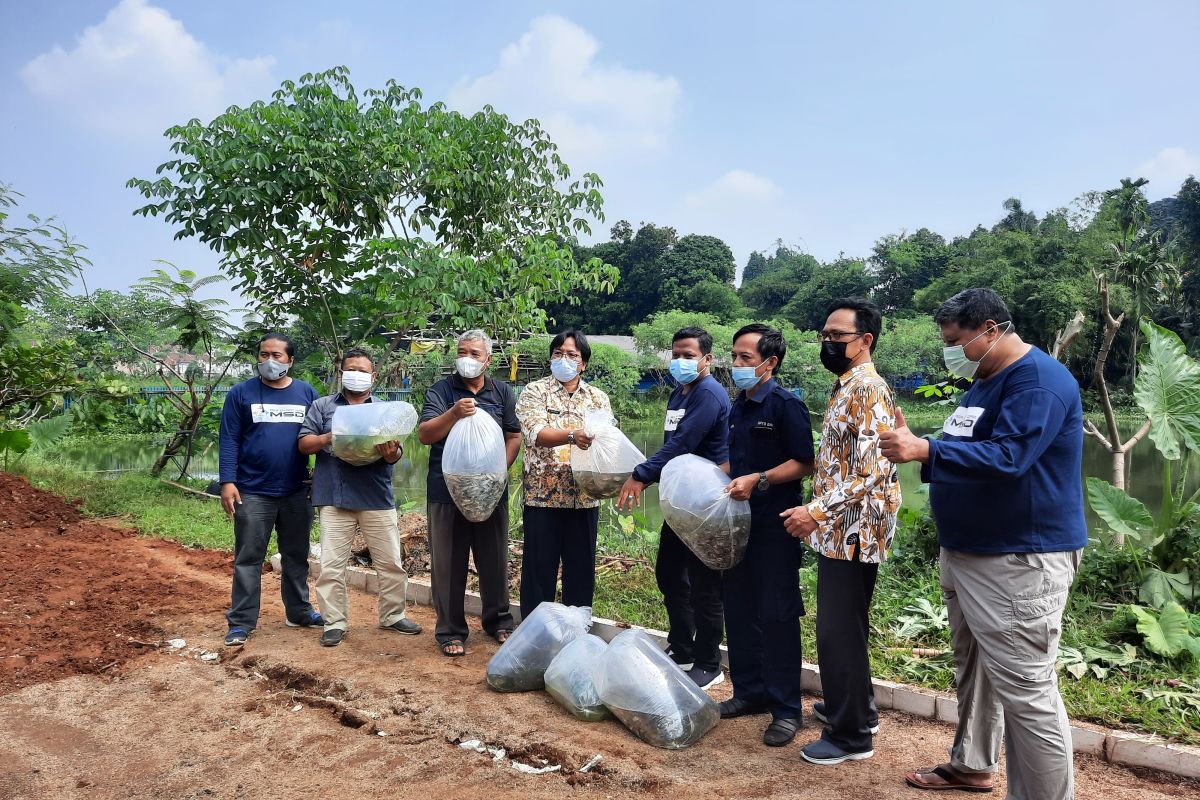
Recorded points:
253,521
452,540
1005,623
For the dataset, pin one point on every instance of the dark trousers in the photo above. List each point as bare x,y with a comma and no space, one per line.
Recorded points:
844,591
291,518
763,607
453,539
554,536
692,594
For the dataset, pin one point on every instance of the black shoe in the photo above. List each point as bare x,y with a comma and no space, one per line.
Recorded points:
332,637
706,678
780,732
683,665
312,620
737,707
829,754
236,637
818,711
404,626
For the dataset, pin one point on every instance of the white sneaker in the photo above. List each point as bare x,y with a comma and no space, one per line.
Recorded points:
706,679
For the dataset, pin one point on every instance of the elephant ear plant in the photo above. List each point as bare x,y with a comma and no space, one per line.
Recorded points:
1162,548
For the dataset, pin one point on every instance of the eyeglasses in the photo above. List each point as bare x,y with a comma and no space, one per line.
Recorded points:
840,336
569,356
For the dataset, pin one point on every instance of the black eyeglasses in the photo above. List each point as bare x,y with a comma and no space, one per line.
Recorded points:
839,336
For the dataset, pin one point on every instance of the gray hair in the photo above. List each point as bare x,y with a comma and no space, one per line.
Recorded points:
476,335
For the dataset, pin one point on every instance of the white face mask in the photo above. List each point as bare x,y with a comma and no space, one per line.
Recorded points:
956,359
469,367
356,381
564,370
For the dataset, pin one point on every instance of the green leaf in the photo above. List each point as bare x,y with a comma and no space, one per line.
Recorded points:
1160,587
1165,633
1168,390
1122,513
45,432
14,441
1117,658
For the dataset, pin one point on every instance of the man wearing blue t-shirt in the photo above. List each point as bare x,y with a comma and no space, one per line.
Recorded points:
697,422
263,488
1005,493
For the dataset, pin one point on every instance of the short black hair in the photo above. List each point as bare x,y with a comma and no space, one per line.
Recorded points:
581,343
288,347
970,309
356,352
699,334
867,318
770,342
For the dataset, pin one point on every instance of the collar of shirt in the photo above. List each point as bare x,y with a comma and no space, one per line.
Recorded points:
341,399
457,382
761,392
863,370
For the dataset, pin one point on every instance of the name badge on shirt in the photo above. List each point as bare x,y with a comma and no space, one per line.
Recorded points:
277,412
673,418
962,421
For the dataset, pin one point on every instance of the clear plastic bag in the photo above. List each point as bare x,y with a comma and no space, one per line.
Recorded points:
694,503
358,428
520,663
603,468
571,678
651,695
475,466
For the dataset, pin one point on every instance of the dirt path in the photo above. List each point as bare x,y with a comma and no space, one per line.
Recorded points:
88,714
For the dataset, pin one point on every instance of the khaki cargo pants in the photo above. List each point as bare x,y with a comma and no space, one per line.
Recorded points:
379,528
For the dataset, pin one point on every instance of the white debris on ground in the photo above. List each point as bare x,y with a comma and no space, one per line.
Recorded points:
528,770
176,644
596,759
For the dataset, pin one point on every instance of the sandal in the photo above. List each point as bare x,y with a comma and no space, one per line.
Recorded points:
453,648
949,780
502,635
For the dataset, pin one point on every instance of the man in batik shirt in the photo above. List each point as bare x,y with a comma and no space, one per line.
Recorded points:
560,521
850,523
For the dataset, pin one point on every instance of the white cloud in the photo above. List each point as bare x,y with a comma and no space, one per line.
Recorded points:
1167,170
139,71
589,108
735,189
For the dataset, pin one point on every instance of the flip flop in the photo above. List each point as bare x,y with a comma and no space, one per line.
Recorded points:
451,643
502,635
952,781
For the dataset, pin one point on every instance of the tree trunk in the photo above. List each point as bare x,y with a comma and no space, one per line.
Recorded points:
182,438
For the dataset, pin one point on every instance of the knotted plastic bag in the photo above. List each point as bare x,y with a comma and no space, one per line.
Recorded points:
520,663
694,503
475,466
603,468
571,678
651,695
358,428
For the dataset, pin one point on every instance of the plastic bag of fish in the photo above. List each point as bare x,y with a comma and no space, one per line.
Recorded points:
640,684
475,466
521,662
571,678
602,469
695,504
358,428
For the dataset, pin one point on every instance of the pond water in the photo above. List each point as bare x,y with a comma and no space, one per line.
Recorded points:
1144,472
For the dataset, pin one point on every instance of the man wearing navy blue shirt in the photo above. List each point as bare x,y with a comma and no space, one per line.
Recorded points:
770,453
1005,493
697,421
263,487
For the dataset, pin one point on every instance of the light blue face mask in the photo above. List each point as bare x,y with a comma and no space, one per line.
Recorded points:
956,359
684,370
746,377
564,370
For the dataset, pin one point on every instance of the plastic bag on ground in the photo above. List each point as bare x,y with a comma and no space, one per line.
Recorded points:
520,663
651,695
603,468
571,678
358,428
475,466
713,525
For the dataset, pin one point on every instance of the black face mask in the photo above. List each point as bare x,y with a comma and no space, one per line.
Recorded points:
834,358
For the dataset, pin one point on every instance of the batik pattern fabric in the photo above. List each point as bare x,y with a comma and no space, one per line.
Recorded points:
547,480
856,491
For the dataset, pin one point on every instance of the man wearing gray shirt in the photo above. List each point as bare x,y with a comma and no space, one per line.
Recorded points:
352,498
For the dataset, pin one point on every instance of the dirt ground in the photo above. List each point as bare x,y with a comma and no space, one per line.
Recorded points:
95,701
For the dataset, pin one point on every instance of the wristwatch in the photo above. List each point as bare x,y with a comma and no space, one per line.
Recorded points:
570,437
763,484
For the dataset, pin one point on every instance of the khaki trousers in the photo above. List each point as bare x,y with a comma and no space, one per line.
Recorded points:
1005,624
338,526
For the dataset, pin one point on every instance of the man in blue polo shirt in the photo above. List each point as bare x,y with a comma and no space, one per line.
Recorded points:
1006,496
262,486
770,453
697,421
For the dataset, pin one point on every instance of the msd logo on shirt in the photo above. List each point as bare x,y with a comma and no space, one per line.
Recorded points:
277,412
962,422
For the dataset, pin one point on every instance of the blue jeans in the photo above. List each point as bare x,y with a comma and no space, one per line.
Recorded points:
253,520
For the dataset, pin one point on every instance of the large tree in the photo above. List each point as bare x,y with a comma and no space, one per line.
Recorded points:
376,212
694,260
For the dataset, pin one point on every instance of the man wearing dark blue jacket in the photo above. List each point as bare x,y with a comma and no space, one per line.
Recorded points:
1005,494
263,488
697,422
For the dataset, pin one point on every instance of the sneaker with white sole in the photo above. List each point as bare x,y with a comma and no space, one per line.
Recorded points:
683,665
236,637
313,620
706,678
818,711
829,754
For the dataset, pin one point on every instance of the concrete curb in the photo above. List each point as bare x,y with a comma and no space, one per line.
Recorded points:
1117,747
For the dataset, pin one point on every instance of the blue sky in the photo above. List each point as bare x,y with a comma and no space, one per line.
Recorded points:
824,125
